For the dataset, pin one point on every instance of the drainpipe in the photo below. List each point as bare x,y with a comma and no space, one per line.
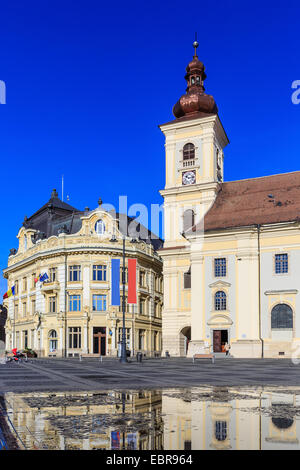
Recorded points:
259,289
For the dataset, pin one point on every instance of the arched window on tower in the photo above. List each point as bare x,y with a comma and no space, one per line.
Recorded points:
188,220
189,152
220,300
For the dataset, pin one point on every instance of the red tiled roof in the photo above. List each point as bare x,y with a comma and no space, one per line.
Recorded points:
264,200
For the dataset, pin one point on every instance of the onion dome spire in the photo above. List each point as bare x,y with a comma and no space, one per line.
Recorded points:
195,100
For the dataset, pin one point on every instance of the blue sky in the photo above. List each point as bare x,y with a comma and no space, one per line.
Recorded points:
88,83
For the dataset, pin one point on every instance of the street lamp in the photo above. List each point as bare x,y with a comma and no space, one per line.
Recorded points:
123,357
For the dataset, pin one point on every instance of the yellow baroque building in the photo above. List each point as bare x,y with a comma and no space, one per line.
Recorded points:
232,249
71,313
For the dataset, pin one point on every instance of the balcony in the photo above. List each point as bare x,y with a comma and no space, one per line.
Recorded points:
188,164
50,287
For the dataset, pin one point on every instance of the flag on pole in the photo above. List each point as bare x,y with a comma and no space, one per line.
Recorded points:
43,277
9,293
115,282
132,281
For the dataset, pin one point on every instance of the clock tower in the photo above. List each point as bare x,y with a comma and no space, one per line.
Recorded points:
194,155
194,144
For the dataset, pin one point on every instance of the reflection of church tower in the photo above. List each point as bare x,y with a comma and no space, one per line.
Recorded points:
194,144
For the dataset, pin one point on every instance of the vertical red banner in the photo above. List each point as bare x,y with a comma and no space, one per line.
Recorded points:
132,281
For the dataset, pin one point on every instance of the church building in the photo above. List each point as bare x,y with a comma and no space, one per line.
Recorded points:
232,249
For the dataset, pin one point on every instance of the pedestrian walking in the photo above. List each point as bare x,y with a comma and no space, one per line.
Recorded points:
226,347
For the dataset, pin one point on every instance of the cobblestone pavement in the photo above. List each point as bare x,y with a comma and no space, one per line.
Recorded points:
91,374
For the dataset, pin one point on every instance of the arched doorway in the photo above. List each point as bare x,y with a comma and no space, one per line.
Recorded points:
184,339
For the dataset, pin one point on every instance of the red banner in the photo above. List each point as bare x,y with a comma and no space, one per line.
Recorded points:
132,281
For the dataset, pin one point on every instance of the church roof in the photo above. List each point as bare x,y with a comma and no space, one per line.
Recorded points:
265,200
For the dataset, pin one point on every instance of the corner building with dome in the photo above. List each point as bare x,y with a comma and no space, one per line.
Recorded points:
71,313
231,252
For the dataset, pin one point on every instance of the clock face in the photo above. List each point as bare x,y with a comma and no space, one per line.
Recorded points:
188,177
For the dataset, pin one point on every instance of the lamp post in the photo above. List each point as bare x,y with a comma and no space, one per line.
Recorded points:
123,358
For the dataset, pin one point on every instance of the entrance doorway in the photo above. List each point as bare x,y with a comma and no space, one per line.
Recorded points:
99,340
220,337
184,339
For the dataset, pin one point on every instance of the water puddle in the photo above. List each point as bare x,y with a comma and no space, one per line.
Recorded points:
195,418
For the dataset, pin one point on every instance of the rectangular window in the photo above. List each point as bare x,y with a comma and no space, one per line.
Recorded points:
74,303
16,310
74,337
24,284
32,345
187,279
127,333
16,287
142,307
127,306
25,339
99,303
52,274
141,339
33,307
33,276
126,274
142,278
24,309
220,267
75,273
99,272
281,263
52,304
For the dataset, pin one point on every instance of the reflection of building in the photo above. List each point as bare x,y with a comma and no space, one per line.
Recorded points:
83,421
231,250
202,419
71,312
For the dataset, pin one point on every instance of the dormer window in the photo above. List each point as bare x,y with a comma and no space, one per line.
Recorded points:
100,227
198,80
25,242
189,152
193,81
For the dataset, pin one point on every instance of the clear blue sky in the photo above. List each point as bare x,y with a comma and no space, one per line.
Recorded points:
88,82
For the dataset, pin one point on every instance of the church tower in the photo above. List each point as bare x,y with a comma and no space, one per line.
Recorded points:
194,144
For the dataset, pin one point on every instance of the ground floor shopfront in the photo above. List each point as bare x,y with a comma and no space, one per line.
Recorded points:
74,336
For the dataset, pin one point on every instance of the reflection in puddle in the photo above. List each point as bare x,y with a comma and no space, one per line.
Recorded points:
171,419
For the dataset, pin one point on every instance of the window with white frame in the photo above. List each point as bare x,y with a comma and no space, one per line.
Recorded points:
99,303
220,267
99,272
74,303
74,337
100,227
281,263
220,300
74,273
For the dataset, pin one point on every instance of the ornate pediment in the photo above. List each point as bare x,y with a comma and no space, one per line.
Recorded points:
219,284
219,319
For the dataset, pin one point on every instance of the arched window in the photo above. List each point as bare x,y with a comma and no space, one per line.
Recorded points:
189,152
220,300
53,341
283,423
282,317
188,220
25,242
100,227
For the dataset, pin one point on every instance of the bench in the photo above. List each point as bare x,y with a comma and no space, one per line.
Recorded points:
90,355
204,356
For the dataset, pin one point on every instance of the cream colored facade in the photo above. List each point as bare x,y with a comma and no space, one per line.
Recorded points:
63,316
252,288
